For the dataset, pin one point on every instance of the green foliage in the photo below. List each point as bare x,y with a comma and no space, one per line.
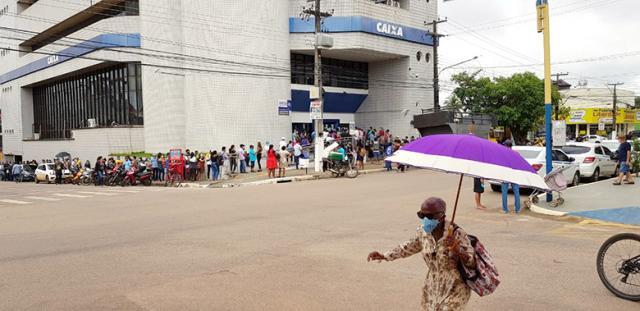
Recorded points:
137,154
517,101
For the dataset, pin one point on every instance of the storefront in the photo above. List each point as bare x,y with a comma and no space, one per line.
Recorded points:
599,121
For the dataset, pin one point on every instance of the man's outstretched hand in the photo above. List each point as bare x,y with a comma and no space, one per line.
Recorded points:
375,256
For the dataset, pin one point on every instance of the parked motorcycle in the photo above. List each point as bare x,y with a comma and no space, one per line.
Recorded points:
141,176
87,177
339,166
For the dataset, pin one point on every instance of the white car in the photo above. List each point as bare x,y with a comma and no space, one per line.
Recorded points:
46,172
594,159
593,138
536,156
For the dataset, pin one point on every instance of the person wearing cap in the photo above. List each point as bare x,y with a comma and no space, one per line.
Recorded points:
441,249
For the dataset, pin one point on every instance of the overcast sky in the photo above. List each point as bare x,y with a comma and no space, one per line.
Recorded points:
504,33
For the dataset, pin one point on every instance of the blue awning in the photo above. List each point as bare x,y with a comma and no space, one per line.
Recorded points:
333,102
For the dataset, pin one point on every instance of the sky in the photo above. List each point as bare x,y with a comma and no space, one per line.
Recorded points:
604,35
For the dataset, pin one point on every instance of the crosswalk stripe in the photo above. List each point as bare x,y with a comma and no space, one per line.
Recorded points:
14,201
96,193
71,195
42,198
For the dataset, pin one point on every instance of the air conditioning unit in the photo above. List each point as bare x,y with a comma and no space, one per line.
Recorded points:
324,41
91,123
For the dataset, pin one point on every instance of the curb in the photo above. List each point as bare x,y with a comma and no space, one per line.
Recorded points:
271,181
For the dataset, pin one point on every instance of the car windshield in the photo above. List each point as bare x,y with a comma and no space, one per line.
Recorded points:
529,154
575,149
27,168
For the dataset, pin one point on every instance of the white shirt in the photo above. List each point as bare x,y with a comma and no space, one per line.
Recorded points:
297,150
282,144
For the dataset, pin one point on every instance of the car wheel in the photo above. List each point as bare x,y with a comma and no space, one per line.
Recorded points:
616,172
596,175
37,180
496,188
576,180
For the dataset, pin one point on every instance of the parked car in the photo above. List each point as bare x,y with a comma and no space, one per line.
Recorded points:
595,160
633,135
536,156
27,173
46,173
591,138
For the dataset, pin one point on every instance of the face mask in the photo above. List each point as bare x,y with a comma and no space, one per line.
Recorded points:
429,224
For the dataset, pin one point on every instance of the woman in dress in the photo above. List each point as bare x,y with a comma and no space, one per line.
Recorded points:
272,162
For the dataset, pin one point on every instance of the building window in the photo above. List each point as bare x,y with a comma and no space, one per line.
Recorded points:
419,55
335,72
111,96
427,57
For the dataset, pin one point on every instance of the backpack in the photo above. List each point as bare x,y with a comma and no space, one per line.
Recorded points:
484,279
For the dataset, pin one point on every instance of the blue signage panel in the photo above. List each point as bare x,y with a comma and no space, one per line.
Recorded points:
336,24
96,43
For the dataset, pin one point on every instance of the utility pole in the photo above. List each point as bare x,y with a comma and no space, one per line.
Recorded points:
615,108
542,12
318,123
436,74
558,75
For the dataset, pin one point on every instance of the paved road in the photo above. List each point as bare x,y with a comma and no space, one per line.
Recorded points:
298,246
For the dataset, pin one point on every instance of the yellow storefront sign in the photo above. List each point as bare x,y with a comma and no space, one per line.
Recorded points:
599,115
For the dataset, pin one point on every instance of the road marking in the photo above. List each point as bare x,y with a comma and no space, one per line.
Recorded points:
14,201
42,198
122,191
71,195
96,193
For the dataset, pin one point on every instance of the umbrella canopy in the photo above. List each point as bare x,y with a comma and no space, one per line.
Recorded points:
63,155
471,156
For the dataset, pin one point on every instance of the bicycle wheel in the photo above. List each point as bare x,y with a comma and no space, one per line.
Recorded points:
618,265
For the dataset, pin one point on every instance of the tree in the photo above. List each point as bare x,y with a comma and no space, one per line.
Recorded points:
637,103
517,102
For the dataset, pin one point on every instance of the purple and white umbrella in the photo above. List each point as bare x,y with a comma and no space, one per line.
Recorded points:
471,156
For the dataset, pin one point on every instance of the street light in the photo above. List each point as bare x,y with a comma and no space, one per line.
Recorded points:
460,63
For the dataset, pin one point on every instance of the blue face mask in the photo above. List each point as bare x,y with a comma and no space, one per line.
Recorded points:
429,224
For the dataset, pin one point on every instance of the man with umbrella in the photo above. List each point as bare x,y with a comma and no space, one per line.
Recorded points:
441,249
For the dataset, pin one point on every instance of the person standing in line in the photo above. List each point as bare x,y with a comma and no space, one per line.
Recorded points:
361,153
259,156
213,159
442,251
16,171
243,159
272,162
201,165
233,159
283,163
297,153
478,189
505,188
283,143
59,167
624,160
208,161
154,167
224,158
252,158
99,167
161,166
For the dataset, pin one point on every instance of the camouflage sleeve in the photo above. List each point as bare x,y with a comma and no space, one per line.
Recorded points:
409,248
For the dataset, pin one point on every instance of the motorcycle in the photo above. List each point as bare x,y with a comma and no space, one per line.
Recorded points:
115,176
133,177
87,177
340,166
618,265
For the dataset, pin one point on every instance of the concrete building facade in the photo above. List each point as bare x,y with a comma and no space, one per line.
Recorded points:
99,77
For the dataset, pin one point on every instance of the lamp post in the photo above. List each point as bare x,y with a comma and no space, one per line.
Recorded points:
542,7
458,64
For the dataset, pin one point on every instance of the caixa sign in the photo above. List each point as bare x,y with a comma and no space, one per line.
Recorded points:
52,59
389,29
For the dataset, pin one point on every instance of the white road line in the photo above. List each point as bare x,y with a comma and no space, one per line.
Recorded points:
42,198
71,195
96,193
14,201
122,191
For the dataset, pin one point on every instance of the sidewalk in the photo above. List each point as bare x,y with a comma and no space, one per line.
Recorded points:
600,200
258,178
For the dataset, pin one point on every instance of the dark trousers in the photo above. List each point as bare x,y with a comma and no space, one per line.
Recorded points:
259,156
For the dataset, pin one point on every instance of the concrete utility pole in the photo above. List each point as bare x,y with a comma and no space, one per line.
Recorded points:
542,11
558,75
436,79
615,108
318,123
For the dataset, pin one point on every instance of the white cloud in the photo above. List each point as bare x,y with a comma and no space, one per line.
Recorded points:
505,33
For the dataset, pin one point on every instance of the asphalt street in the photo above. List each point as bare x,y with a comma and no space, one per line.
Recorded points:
295,246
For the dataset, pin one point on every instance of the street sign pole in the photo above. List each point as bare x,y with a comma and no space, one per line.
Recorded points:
543,27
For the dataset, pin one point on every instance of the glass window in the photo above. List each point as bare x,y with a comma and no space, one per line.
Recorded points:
111,96
598,150
575,149
529,154
606,151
